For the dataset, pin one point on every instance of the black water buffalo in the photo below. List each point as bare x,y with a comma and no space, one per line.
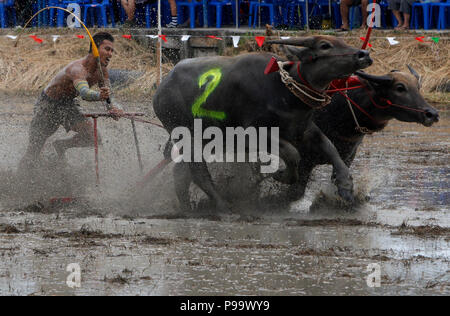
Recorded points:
395,95
235,92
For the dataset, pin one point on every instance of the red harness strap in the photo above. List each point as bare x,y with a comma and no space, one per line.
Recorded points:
349,83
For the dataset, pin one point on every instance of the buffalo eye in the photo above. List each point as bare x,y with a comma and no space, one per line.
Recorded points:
325,46
400,88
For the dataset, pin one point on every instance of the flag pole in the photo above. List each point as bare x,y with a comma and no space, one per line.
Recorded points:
159,46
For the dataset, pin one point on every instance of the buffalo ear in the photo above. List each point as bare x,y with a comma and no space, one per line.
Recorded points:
296,54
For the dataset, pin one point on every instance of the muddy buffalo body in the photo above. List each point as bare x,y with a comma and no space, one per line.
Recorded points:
235,92
365,110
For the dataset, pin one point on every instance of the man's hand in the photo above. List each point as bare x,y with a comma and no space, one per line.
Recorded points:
115,113
105,93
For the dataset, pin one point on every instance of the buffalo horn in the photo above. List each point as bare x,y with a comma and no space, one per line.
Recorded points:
299,41
375,79
414,73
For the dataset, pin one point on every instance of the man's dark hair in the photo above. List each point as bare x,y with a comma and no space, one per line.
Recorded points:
100,37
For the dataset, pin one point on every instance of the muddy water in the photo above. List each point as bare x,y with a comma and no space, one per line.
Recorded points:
141,246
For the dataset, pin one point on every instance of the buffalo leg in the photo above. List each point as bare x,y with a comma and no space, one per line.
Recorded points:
344,180
291,158
183,179
297,190
348,162
202,178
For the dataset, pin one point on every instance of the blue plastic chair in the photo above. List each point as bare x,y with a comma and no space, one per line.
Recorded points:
101,7
321,7
150,14
151,9
384,11
416,7
292,7
60,15
42,19
192,7
442,18
219,5
271,5
6,6
336,9
352,15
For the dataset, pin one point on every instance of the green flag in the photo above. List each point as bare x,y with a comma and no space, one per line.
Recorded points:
435,39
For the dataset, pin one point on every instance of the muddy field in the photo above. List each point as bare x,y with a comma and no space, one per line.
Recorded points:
131,240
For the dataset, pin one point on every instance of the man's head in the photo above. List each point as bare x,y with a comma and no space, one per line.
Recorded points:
104,42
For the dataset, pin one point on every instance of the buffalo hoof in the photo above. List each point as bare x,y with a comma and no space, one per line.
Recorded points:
285,177
347,196
296,192
224,207
184,208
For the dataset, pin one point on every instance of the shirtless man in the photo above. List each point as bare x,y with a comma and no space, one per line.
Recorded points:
57,105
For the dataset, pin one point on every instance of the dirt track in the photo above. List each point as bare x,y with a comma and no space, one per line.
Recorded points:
142,246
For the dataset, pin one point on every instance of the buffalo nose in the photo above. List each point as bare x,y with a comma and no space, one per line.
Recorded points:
434,115
362,54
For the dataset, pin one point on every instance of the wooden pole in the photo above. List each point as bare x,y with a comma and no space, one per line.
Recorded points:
97,172
159,45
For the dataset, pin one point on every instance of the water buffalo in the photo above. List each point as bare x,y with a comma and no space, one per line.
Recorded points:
235,92
395,95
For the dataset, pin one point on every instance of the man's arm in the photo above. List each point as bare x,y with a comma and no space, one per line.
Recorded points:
113,104
81,85
85,92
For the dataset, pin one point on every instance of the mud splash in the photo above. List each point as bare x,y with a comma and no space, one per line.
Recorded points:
133,241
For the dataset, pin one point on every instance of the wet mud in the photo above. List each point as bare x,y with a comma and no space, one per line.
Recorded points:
130,239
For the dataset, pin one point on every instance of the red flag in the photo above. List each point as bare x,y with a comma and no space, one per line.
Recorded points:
126,36
420,39
272,66
163,37
260,40
364,39
36,39
80,36
215,37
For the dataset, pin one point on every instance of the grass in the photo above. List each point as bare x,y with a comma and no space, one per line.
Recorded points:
28,68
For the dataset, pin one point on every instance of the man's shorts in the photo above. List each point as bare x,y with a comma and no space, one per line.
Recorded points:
49,114
402,6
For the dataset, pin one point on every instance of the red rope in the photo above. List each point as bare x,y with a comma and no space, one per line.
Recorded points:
343,89
389,103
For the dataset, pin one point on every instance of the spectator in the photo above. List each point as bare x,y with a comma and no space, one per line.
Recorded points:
173,12
401,6
345,8
130,7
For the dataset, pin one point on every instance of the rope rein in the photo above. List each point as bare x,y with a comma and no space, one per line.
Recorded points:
363,130
305,93
350,102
